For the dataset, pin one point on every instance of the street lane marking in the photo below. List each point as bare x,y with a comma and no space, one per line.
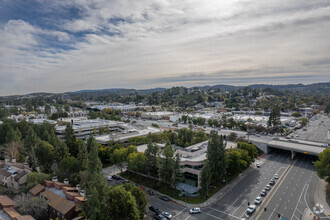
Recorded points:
187,217
212,216
179,213
283,177
239,206
224,213
272,212
232,204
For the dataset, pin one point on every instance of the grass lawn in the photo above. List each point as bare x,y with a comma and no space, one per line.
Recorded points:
167,190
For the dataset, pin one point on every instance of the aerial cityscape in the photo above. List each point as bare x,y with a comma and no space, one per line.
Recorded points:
183,110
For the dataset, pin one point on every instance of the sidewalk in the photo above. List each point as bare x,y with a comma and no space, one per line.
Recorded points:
320,196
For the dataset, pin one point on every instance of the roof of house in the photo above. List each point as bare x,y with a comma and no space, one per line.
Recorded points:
11,212
37,189
5,201
20,175
58,203
4,173
25,217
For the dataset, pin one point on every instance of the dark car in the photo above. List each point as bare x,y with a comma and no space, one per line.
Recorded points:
272,182
160,217
154,209
115,177
125,181
263,193
165,198
150,192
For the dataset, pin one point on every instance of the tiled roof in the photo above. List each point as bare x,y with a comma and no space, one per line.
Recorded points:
5,201
37,189
58,203
20,175
11,212
4,173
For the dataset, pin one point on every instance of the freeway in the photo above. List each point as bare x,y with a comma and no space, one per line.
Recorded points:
295,193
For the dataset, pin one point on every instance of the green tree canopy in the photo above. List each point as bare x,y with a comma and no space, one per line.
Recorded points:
322,165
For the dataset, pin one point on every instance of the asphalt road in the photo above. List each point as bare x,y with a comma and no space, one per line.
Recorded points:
316,130
234,203
295,193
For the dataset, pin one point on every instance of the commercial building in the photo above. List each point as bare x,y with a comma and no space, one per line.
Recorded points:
192,160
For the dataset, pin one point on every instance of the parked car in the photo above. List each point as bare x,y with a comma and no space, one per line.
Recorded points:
109,178
150,192
258,200
251,209
125,181
276,138
258,165
195,210
115,177
267,187
271,182
263,193
154,209
160,217
276,176
167,215
165,198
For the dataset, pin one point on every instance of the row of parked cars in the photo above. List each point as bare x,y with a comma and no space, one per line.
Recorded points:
159,215
258,200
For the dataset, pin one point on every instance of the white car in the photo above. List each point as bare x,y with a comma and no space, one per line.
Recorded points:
109,178
276,176
258,165
325,145
251,209
267,187
258,200
195,210
167,215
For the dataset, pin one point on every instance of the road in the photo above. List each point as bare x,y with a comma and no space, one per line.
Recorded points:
295,193
316,130
233,204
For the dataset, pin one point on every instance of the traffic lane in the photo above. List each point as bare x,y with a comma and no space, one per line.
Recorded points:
266,175
292,189
165,206
235,201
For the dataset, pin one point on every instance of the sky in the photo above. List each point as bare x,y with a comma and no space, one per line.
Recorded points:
60,45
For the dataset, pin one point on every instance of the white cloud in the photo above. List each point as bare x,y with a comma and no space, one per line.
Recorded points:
135,44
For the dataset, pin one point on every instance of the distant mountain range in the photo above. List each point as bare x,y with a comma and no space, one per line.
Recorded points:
315,87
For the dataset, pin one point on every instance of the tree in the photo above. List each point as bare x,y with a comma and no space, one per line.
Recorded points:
119,156
166,164
296,114
177,175
274,117
206,178
45,154
217,157
61,151
25,204
322,165
30,139
151,153
34,178
13,135
137,162
83,156
304,122
139,196
250,148
232,136
68,167
235,163
13,148
121,204
96,187
70,140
